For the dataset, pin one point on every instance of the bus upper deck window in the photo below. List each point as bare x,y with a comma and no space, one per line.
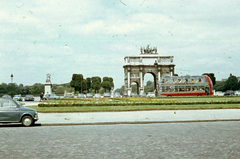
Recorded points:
199,80
179,80
194,88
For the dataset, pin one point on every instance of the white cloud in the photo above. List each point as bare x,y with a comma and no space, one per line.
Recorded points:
93,37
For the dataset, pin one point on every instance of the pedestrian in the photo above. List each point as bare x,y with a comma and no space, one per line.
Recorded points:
41,97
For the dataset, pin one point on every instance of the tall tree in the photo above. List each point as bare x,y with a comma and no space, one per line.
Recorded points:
111,81
96,83
107,83
212,77
77,82
89,82
231,83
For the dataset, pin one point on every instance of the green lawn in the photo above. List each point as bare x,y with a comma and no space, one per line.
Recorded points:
103,108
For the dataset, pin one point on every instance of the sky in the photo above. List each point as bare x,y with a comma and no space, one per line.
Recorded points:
92,37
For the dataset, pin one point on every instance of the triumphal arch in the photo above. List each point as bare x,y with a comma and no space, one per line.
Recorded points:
148,61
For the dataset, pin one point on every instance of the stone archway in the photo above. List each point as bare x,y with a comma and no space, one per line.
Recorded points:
148,61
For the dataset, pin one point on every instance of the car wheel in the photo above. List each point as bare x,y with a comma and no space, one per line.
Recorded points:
27,121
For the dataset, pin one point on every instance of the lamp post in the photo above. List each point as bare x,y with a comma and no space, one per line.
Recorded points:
12,83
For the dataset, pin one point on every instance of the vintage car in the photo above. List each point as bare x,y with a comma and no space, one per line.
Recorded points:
29,97
11,111
18,97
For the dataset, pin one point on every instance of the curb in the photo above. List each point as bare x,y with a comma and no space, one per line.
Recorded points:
134,122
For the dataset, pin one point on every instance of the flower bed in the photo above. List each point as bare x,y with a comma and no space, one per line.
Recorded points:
129,102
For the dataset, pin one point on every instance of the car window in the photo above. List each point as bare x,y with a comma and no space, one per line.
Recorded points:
7,104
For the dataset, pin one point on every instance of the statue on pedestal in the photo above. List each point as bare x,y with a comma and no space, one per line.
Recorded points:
48,85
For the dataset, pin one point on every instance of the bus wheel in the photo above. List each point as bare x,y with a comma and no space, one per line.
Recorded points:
168,96
199,95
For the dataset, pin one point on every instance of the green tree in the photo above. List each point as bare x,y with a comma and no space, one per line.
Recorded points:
134,88
26,90
54,87
2,89
12,89
37,88
231,83
60,90
89,82
20,88
106,83
96,83
212,77
84,85
149,87
111,82
120,90
77,82
101,90
219,86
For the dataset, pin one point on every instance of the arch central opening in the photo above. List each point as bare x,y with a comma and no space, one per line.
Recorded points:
149,82
134,89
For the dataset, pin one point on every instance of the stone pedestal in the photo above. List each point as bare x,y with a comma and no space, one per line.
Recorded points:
48,88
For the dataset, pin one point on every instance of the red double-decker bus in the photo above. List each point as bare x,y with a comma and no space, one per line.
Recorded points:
185,86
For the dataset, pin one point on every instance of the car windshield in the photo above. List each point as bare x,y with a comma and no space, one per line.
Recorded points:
28,95
17,96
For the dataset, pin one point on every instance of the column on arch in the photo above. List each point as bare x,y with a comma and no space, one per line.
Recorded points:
129,83
171,71
159,74
141,82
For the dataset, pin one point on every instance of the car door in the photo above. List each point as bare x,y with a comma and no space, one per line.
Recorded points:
9,111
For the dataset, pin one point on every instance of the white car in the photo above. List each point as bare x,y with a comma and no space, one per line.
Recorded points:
237,93
219,93
151,94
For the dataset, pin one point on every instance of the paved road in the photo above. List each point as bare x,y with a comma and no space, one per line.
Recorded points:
172,140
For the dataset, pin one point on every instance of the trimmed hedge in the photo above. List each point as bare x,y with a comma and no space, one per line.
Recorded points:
72,104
